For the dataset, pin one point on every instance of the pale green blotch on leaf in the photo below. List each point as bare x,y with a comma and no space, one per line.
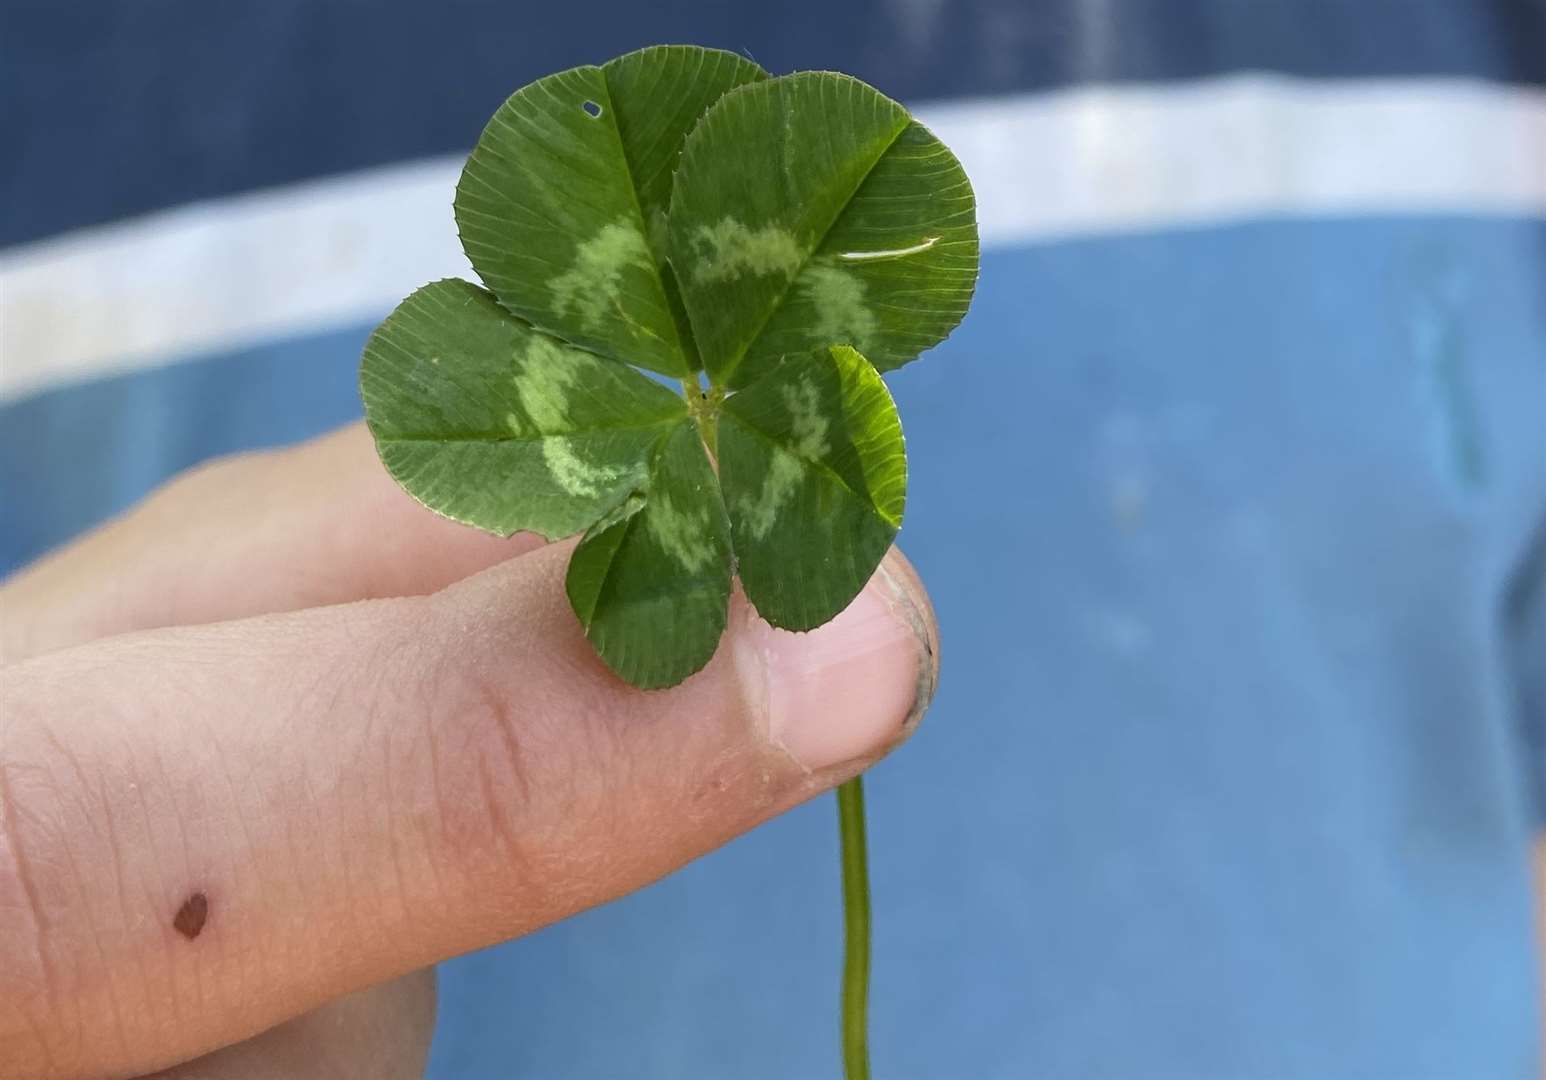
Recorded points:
548,372
549,375
682,531
728,249
581,478
592,287
807,442
841,314
760,511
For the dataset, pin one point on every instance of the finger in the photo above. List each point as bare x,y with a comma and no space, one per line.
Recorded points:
266,531
319,523
382,1033
337,796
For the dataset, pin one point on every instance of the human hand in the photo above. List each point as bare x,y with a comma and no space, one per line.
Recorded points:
369,739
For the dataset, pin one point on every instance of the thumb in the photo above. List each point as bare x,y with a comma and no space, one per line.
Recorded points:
206,830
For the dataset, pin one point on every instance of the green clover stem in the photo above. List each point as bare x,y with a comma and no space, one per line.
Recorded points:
703,406
856,920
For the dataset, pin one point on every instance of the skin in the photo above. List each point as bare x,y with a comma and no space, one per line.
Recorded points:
371,739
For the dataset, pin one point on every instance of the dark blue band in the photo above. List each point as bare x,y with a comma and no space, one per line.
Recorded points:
115,109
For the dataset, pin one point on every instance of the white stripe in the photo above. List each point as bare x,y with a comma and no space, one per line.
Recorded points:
223,274
1045,167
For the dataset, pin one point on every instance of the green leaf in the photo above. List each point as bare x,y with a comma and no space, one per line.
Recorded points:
651,581
811,210
562,203
815,481
489,422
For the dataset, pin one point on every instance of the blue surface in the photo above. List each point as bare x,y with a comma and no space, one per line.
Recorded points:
1238,563
78,454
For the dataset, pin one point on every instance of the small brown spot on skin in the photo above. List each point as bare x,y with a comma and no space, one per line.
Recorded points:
190,917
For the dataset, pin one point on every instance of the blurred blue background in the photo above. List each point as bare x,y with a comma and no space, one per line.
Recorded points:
1230,491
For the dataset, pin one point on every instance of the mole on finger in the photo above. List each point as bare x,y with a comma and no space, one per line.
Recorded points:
190,917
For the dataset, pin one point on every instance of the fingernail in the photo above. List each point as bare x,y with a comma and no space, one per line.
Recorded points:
851,689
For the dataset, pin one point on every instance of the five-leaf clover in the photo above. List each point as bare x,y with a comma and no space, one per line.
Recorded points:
773,244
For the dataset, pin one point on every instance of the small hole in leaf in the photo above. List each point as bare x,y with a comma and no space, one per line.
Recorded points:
592,109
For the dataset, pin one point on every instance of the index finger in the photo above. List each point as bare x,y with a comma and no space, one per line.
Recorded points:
256,533
205,830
